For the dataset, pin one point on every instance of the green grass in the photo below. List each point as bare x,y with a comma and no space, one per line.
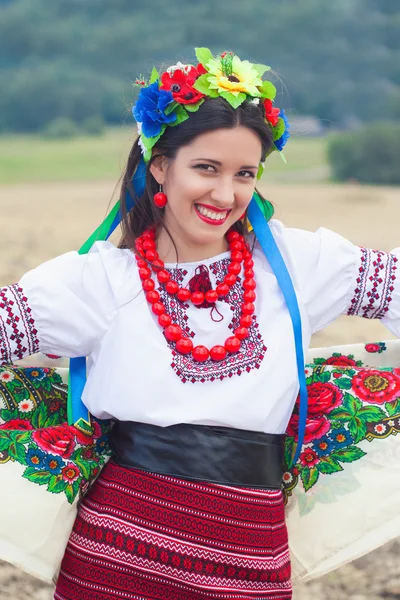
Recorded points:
25,158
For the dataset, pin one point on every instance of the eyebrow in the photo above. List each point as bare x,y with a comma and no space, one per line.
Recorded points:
219,164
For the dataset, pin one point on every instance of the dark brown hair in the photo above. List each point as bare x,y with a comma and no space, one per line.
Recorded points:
214,113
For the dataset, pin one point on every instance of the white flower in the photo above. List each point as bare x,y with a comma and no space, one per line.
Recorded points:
140,142
26,406
391,423
287,477
255,101
184,68
380,428
6,376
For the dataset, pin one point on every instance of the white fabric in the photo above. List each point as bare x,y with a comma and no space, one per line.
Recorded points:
94,305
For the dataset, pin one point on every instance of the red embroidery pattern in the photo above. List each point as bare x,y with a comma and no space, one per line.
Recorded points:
374,284
18,333
252,350
142,535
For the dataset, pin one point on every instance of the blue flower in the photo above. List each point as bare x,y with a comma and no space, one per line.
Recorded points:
280,142
34,373
53,464
102,443
35,458
341,438
149,109
324,446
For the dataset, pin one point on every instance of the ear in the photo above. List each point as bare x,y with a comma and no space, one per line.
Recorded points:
158,169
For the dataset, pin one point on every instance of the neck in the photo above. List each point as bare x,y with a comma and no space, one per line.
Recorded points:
186,251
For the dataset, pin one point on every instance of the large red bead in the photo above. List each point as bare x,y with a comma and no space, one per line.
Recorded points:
236,256
241,333
200,353
222,289
230,279
160,199
249,296
235,246
234,268
172,287
184,346
151,255
173,333
246,320
158,264
248,273
183,294
163,276
197,298
148,285
152,296
149,244
142,264
248,263
249,284
158,308
164,320
232,235
248,308
218,353
144,273
211,296
232,344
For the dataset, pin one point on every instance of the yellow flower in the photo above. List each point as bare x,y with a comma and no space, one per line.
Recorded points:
244,77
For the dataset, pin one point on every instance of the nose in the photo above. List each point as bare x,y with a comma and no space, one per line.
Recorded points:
223,192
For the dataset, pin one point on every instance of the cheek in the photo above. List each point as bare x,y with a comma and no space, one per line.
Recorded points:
188,189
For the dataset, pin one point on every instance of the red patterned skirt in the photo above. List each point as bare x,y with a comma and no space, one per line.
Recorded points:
141,535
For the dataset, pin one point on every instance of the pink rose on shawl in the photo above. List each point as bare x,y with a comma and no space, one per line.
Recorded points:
315,428
376,387
15,424
323,398
341,361
372,347
56,440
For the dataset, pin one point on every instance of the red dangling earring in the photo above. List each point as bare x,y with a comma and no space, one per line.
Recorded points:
160,199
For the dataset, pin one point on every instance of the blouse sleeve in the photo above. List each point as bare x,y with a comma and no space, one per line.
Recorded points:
335,277
66,305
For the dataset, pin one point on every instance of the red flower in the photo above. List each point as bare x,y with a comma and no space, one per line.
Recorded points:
341,361
376,386
309,458
315,428
83,438
372,347
271,113
323,398
14,424
56,440
70,473
179,81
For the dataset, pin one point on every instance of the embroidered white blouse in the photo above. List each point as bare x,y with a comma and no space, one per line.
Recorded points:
93,305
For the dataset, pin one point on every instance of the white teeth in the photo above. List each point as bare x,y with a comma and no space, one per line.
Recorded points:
211,214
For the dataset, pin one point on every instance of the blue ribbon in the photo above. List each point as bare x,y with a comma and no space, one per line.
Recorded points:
274,257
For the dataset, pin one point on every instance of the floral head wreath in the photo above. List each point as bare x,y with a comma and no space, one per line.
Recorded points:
169,99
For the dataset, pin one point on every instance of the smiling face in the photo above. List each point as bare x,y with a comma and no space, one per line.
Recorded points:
209,185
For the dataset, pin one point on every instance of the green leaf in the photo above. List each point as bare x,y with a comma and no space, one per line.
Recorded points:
268,90
371,414
261,69
318,361
21,394
194,107
4,443
204,56
289,443
85,467
309,477
340,415
70,493
358,430
279,129
154,76
234,101
23,438
202,85
343,383
39,477
349,454
351,404
42,415
170,107
17,452
57,484
181,116
329,465
392,408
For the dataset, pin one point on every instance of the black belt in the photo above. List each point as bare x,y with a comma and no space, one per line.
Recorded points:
198,452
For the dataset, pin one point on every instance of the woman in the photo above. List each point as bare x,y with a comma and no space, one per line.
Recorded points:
191,347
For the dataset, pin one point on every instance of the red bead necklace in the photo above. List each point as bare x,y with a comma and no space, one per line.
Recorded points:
148,260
